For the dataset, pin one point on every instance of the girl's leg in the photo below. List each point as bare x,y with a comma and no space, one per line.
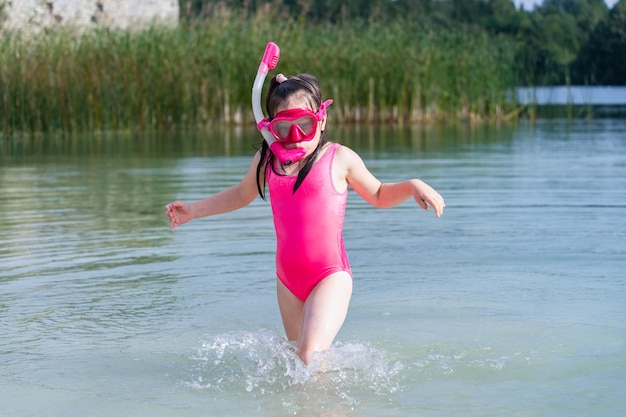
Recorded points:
291,311
316,322
325,311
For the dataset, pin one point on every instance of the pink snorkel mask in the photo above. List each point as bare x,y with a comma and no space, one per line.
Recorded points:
295,125
287,128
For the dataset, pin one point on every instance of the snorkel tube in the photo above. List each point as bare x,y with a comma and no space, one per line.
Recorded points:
269,61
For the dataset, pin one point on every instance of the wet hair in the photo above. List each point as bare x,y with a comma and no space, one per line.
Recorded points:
306,88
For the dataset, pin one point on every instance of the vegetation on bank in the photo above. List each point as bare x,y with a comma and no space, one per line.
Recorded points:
559,41
202,72
401,61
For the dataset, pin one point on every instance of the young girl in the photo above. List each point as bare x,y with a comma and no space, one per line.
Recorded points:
308,200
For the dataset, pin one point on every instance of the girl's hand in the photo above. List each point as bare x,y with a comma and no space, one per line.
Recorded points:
178,213
426,196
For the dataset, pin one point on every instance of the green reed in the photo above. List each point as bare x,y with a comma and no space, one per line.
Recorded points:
202,73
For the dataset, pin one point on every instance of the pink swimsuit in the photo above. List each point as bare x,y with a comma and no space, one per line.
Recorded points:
308,226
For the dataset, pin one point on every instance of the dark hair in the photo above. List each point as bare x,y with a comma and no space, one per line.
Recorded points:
307,87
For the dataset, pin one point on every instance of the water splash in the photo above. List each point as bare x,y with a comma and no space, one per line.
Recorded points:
264,363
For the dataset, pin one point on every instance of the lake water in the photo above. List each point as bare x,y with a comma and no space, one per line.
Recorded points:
511,304
572,95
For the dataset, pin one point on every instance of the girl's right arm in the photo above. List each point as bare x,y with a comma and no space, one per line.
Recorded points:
229,199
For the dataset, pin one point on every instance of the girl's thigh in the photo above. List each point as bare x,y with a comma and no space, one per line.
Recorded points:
325,311
291,311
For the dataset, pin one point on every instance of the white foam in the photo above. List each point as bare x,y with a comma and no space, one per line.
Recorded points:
263,362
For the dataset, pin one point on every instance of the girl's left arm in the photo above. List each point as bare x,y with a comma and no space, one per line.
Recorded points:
389,194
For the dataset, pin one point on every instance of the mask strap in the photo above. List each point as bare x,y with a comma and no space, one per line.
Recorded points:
322,111
264,123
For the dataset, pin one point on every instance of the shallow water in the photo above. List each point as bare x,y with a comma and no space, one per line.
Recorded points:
510,304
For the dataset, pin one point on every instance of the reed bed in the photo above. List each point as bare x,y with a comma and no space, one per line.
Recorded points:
201,73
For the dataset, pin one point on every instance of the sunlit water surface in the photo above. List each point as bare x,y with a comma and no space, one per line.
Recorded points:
511,304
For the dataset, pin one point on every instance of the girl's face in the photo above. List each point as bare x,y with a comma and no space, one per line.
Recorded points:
295,102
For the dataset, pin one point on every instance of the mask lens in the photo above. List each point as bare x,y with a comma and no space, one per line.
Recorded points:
281,127
307,124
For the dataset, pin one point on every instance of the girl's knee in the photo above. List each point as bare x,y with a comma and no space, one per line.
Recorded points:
304,356
305,352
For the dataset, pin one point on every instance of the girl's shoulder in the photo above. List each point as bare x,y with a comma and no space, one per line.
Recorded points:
346,158
345,153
